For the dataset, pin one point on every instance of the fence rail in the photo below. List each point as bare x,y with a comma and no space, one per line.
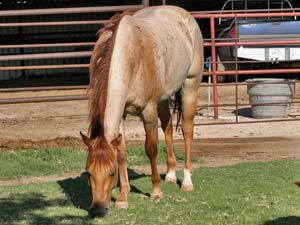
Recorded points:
213,43
53,11
17,58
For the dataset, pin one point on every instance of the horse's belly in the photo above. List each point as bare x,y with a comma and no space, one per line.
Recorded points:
132,110
164,97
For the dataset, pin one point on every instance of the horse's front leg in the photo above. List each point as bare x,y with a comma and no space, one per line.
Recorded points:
166,124
150,120
124,183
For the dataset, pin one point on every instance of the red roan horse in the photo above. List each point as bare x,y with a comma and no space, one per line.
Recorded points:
138,62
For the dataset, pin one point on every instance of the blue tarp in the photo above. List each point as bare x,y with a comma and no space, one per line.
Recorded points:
269,27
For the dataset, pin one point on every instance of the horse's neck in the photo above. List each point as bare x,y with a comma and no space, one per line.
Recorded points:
118,84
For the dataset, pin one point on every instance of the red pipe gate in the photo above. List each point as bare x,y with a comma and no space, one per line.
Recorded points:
212,43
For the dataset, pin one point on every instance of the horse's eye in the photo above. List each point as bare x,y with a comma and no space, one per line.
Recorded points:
112,174
88,174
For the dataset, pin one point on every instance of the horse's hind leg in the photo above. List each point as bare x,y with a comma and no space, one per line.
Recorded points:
150,124
189,109
166,124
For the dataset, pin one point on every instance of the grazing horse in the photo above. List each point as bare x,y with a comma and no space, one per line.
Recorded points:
140,60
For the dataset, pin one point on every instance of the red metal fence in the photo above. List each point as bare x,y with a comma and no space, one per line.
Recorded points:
212,43
54,55
33,12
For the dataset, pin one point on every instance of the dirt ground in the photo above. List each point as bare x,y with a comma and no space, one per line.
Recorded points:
58,124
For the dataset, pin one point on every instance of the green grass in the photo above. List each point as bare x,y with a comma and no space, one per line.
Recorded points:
26,163
250,194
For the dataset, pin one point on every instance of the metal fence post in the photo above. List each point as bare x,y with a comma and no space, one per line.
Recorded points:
146,3
214,66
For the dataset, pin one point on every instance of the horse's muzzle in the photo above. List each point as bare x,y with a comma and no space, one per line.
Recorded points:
98,211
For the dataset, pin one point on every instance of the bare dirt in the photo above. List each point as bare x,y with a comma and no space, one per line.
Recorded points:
57,124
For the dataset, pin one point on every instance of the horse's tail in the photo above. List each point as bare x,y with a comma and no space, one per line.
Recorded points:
178,107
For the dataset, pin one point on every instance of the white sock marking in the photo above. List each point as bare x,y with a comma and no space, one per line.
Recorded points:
187,178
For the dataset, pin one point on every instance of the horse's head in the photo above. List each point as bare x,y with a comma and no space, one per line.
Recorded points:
102,168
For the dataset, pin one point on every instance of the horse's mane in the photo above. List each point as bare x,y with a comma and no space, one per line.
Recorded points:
99,73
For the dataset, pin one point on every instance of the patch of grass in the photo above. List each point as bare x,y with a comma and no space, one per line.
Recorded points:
245,194
25,163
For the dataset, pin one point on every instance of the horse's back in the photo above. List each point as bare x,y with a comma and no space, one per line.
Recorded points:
177,39
155,51
162,19
162,13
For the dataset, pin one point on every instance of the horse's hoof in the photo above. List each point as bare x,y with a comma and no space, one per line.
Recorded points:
171,179
121,205
187,187
187,184
156,196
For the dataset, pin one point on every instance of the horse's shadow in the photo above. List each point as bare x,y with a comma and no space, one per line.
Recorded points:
133,175
20,207
78,190
289,220
163,176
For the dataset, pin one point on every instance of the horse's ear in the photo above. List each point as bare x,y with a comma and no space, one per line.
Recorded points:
86,140
117,141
